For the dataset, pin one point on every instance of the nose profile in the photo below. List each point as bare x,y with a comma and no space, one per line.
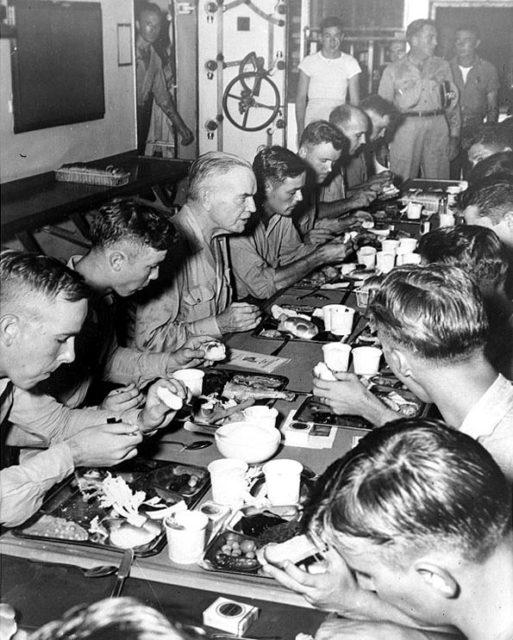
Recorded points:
68,352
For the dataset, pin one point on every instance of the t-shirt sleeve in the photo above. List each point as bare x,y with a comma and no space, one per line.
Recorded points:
353,67
306,65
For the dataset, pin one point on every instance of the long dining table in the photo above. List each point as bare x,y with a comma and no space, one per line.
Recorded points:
53,557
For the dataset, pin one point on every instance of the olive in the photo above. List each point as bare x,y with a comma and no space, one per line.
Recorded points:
247,545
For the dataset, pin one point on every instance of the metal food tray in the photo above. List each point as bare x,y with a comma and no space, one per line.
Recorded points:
270,323
215,379
66,497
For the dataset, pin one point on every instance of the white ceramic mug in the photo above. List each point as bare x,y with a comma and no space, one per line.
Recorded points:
283,481
385,261
186,535
338,319
228,479
414,210
407,245
336,355
261,415
367,256
366,360
192,379
389,246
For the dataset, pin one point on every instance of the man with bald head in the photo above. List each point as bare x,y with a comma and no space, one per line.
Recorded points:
194,296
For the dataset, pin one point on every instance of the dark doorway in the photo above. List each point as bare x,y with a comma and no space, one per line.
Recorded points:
496,26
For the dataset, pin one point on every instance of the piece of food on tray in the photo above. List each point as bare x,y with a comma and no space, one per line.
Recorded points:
170,399
323,372
127,536
234,552
408,407
299,327
214,410
242,389
294,550
48,526
214,350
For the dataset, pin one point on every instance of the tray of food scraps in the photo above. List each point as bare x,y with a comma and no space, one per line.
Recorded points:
236,549
227,392
119,508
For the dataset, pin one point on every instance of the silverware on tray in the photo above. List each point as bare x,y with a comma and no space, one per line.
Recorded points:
123,572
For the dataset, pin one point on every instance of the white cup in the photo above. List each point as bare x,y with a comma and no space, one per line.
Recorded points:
414,210
186,535
447,219
367,256
261,415
366,360
228,478
283,481
336,355
385,261
389,246
407,245
192,379
338,319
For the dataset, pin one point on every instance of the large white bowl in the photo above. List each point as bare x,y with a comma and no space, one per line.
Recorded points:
247,441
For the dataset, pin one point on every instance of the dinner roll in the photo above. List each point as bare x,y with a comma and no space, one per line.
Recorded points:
300,328
214,350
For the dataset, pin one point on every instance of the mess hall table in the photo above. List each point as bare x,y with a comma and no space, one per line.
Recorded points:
32,203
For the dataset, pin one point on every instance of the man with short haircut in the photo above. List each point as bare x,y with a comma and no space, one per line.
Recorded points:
419,516
428,136
320,147
194,295
489,203
43,306
151,82
129,242
478,83
271,255
488,140
432,325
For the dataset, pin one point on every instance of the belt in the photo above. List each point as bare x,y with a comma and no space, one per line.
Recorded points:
424,114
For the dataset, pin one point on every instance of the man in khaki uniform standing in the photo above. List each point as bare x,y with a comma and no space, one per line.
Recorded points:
422,88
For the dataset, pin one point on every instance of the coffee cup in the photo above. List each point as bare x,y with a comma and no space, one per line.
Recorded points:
414,210
367,256
261,415
385,261
338,319
228,479
186,535
409,258
407,245
366,360
389,246
283,481
336,355
192,379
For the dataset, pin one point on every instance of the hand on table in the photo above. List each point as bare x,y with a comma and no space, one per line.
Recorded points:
349,396
320,234
122,399
239,316
104,445
333,590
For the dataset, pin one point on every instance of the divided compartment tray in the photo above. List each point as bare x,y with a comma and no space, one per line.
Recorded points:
172,478
215,379
270,325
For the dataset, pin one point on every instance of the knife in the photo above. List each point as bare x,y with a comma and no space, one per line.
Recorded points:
123,572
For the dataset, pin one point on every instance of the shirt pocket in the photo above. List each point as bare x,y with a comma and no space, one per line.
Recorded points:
201,299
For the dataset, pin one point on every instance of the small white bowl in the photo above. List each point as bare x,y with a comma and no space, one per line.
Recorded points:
247,441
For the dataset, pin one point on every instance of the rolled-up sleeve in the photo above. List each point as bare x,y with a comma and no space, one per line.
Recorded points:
23,486
253,276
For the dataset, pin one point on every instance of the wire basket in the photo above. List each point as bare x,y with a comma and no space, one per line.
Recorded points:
92,175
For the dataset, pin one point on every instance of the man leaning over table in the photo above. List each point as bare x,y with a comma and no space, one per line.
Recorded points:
433,328
415,523
422,88
43,306
194,294
271,254
129,241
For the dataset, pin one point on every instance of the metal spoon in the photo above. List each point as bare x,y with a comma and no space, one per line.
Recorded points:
190,446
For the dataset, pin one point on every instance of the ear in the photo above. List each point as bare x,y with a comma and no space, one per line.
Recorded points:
438,579
268,187
117,260
509,219
9,329
302,152
399,362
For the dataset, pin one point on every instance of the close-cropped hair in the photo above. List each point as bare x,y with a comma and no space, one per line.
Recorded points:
471,28
492,196
436,311
416,27
212,165
493,136
379,105
131,222
275,164
477,250
501,162
148,7
330,21
24,274
413,486
320,132
110,619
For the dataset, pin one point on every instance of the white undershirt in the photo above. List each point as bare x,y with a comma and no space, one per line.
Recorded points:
464,72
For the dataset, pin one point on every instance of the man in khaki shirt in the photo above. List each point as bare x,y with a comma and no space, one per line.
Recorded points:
422,88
